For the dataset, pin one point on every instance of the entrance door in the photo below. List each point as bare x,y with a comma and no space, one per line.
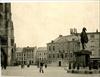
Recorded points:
59,63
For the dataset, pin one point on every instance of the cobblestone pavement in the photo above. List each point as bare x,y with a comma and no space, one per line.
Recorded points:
33,71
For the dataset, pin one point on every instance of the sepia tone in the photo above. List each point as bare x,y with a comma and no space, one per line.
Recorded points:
74,53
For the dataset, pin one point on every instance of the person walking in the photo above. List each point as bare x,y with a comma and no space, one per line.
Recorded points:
45,65
41,67
22,65
3,59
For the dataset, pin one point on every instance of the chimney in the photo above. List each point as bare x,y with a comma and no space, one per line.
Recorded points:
60,35
75,30
52,41
96,30
71,31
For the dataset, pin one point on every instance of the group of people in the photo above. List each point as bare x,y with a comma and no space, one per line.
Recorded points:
40,65
22,65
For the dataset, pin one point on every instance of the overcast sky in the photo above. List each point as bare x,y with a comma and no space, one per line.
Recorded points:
37,23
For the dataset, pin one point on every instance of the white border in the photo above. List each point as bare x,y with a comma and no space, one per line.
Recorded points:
3,1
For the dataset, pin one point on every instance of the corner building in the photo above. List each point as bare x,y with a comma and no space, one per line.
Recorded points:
60,50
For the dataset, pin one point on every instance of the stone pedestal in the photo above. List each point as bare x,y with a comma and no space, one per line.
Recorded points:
82,58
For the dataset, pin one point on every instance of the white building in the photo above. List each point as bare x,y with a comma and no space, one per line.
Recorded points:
26,55
41,55
94,44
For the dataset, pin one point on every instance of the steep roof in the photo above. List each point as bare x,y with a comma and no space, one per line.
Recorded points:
67,38
61,39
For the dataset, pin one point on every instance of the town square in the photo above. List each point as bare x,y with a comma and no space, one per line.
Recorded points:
50,39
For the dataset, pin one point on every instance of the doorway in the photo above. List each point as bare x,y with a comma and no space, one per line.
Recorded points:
59,63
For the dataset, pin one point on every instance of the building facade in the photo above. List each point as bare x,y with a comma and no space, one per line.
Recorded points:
26,55
7,45
94,44
41,55
19,51
60,50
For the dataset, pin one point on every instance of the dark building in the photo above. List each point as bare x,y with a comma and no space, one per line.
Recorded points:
7,45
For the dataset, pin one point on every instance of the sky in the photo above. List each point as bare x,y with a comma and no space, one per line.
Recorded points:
37,23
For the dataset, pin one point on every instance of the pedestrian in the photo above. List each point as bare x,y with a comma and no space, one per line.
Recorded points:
3,59
41,67
45,65
22,65
38,64
28,65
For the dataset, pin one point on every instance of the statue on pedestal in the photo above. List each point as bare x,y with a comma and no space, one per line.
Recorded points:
84,37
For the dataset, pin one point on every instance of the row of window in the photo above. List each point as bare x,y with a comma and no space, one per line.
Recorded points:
42,59
42,54
25,54
29,51
54,49
66,55
24,58
51,48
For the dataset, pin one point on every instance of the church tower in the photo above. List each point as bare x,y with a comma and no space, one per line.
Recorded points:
7,32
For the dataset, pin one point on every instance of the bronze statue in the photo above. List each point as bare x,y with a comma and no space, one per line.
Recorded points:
84,38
